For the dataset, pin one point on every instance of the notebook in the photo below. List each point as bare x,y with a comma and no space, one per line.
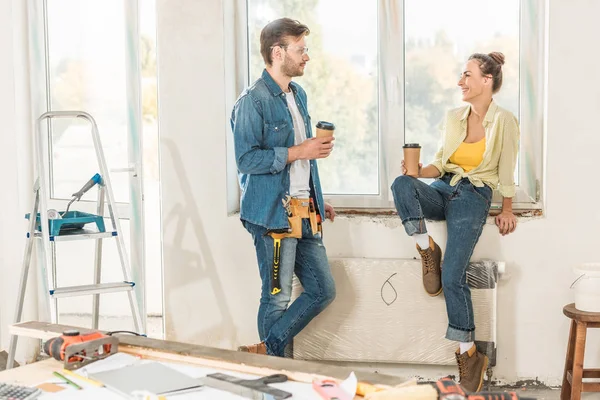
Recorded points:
153,377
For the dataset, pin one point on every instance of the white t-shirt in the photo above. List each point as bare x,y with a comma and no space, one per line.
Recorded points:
300,169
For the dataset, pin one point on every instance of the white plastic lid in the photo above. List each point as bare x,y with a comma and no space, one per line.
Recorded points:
589,269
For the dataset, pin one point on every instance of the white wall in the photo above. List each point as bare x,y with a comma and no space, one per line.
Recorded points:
211,279
15,163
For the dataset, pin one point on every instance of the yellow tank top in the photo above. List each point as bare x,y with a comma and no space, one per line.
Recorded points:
468,155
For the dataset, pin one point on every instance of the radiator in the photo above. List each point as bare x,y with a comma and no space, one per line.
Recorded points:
382,314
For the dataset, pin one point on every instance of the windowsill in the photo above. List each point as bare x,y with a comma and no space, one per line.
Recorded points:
520,212
380,212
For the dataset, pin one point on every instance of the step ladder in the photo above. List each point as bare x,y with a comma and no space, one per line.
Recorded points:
44,230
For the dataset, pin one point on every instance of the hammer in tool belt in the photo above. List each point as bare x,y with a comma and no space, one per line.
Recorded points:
275,281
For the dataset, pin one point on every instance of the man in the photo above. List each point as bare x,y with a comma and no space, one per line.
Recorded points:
281,200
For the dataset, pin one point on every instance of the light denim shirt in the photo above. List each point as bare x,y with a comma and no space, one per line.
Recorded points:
263,130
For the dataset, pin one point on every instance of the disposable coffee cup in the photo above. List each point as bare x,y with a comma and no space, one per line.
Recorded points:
325,129
412,154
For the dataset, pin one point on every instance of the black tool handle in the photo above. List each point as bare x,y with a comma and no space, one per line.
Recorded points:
277,378
275,282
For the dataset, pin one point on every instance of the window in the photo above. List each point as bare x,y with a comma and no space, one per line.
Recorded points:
385,72
100,57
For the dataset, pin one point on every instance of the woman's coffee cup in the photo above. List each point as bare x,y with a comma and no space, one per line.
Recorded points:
412,154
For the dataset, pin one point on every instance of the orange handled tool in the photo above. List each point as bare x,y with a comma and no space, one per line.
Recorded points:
57,346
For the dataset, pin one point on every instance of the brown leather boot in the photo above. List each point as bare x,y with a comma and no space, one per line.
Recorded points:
259,348
431,258
471,369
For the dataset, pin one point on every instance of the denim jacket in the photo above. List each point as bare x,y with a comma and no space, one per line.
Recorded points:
263,131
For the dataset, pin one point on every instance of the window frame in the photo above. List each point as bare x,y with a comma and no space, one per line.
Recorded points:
41,101
391,72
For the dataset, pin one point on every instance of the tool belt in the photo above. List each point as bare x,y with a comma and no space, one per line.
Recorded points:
297,210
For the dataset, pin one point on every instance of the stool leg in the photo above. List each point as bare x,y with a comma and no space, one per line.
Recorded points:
577,382
565,392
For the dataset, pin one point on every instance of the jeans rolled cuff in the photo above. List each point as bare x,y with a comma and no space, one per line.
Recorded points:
414,226
272,347
460,335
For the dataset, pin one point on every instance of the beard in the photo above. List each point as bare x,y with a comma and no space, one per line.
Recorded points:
291,69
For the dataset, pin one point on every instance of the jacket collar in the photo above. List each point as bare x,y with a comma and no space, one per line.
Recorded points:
273,86
489,115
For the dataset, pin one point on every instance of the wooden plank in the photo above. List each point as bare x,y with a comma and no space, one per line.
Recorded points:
301,371
591,387
591,373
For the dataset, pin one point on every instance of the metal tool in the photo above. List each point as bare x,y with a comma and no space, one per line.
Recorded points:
275,281
78,355
88,185
248,388
79,349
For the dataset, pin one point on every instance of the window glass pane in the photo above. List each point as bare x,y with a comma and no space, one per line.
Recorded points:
86,55
341,81
437,44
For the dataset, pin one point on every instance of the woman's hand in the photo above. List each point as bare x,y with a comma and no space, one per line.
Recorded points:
329,212
404,170
506,222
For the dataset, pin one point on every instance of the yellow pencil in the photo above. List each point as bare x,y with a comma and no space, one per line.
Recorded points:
83,378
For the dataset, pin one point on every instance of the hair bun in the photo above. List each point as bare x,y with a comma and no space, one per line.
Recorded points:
497,56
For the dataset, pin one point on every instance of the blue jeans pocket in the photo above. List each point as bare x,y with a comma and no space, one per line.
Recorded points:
485,193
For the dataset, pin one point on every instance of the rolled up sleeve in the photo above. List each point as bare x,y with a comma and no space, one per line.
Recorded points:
508,158
437,161
250,156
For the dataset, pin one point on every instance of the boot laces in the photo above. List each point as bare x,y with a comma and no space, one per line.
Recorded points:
427,257
463,367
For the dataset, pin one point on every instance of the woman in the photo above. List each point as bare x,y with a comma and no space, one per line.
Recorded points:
479,153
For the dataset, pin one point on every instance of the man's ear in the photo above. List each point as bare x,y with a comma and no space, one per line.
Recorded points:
276,53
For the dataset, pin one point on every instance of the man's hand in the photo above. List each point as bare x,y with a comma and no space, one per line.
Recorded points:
311,149
506,222
329,212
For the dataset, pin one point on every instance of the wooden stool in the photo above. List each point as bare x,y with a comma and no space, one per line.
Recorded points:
573,385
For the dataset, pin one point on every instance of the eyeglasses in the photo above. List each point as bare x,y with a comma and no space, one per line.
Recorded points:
300,50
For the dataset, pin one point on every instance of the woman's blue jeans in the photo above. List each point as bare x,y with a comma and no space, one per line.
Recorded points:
465,208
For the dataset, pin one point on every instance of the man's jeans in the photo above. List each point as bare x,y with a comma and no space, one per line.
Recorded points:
465,208
306,257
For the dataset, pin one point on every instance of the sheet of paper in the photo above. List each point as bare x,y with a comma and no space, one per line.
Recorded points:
115,361
349,385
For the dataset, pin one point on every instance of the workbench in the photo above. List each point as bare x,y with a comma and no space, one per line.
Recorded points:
198,360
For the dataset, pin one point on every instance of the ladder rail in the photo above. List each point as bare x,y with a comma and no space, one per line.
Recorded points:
28,251
137,320
44,247
98,263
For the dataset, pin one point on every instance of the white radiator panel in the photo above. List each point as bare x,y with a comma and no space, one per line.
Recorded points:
382,314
